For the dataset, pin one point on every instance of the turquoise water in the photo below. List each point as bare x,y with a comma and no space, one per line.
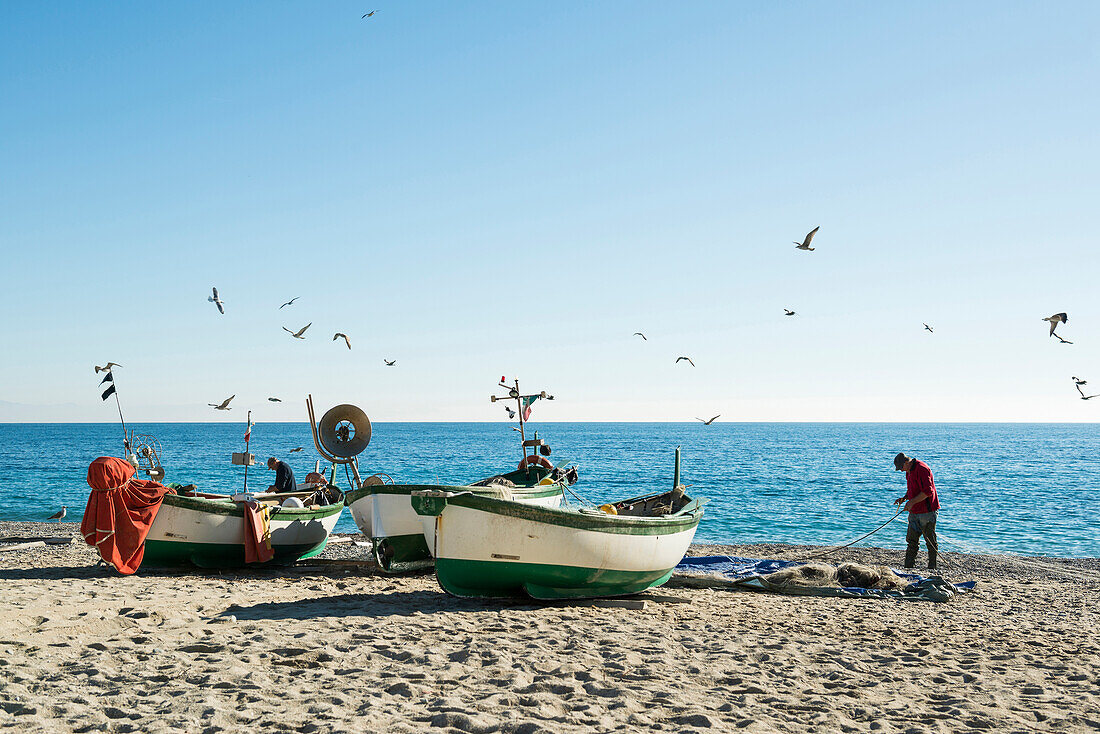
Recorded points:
1019,488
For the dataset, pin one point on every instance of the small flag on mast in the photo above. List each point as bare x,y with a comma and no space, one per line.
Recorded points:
248,431
107,378
109,391
525,403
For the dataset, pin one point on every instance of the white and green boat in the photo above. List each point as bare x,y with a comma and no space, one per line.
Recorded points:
384,511
209,531
488,547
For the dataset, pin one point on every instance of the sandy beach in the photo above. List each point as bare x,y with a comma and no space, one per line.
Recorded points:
333,646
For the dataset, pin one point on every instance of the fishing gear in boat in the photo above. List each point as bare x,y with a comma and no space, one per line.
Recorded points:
343,433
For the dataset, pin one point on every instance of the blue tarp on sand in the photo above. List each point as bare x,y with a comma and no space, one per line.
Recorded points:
749,573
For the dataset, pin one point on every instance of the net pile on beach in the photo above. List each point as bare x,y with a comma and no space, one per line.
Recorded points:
814,579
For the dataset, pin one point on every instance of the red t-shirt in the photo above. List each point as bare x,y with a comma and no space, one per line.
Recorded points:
917,480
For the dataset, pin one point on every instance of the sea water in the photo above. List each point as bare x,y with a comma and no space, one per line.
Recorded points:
1020,488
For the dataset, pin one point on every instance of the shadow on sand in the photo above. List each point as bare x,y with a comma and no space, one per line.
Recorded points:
383,604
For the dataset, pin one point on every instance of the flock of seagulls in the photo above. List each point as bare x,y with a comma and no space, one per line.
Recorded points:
216,299
1054,320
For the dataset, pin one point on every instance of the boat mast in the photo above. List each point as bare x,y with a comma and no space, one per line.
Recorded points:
514,394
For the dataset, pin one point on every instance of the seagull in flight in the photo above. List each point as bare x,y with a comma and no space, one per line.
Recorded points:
928,328
291,301
1058,318
368,15
511,413
298,334
1078,381
788,312
805,244
60,514
707,423
638,333
217,301
275,400
99,369
294,451
224,404
679,359
389,362
338,335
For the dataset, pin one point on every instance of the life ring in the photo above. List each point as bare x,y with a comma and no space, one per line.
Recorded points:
535,459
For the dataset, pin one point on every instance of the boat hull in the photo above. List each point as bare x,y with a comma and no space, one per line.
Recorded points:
493,548
210,533
385,514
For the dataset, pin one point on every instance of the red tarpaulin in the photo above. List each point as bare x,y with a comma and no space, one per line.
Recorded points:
120,511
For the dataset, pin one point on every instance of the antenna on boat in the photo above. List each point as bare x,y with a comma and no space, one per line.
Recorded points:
523,411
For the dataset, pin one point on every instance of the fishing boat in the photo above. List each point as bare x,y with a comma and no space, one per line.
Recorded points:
383,509
171,525
489,547
208,530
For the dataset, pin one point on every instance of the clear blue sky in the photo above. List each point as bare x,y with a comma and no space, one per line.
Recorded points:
515,188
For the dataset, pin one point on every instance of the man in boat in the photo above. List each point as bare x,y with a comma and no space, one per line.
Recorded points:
284,476
922,503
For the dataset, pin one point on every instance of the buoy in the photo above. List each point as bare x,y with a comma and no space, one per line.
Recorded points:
609,509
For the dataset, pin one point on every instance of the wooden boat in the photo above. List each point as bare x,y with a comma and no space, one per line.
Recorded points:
209,531
384,511
487,547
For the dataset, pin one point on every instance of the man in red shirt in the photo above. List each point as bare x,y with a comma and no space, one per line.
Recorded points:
922,502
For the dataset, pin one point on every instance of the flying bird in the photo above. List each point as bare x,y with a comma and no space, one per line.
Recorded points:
1058,318
275,400
389,362
99,369
60,514
291,301
511,413
1079,381
224,404
294,451
368,15
679,359
805,245
217,301
707,423
788,312
338,335
1064,341
638,333
298,334
928,328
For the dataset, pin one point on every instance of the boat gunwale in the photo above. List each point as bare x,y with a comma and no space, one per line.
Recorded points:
228,507
536,491
684,519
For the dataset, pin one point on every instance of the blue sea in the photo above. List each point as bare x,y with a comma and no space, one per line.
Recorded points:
1018,488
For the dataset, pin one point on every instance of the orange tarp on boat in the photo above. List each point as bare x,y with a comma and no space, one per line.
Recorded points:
119,513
